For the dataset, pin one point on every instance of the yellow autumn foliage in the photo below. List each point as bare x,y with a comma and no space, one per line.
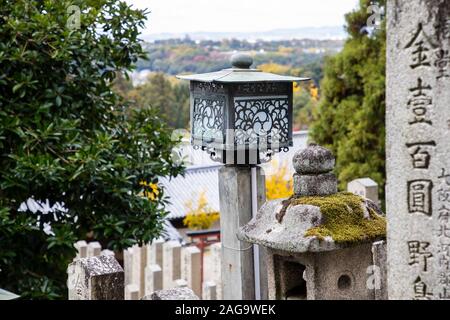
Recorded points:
279,185
274,68
150,190
199,215
314,92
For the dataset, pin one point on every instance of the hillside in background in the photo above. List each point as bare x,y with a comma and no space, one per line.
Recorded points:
177,56
319,33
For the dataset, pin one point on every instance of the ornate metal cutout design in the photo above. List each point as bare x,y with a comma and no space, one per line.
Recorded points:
261,88
208,118
209,87
261,120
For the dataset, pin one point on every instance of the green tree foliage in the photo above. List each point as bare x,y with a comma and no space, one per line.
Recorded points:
65,137
167,95
351,113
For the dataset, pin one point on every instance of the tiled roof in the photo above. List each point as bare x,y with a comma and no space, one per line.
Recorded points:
181,190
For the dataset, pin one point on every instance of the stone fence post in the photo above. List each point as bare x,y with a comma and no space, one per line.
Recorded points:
191,269
171,263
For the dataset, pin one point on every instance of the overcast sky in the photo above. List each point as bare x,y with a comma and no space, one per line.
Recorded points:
184,16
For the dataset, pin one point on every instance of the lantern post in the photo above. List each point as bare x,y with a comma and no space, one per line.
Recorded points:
241,117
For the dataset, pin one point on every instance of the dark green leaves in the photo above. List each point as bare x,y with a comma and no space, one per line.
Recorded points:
65,136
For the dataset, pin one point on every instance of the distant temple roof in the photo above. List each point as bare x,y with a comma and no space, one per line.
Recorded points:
181,190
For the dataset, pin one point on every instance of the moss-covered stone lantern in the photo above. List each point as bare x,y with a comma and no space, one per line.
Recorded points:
319,241
241,115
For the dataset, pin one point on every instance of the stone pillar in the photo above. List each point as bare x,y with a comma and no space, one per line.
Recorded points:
95,278
82,248
94,249
238,281
191,270
418,149
364,187
209,291
155,252
153,278
172,263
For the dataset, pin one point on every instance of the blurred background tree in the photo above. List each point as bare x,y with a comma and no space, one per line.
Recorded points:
351,113
280,183
168,95
67,137
199,215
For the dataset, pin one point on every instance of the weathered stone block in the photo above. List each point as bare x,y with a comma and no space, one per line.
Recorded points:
94,249
96,278
320,185
173,294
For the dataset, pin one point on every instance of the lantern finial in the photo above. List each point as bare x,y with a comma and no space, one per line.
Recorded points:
241,61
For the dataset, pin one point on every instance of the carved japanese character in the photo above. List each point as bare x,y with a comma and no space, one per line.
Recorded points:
444,278
444,214
421,290
419,196
444,295
422,44
442,63
443,248
418,254
444,262
443,231
443,30
419,102
444,193
444,176
419,153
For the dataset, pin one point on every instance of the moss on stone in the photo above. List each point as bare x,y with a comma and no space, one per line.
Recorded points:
344,218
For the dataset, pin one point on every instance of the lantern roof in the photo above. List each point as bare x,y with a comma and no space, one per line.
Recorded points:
240,72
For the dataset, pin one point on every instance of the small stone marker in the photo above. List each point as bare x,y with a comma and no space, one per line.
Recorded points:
418,149
153,279
131,292
173,294
81,247
172,263
209,290
364,187
94,249
96,278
